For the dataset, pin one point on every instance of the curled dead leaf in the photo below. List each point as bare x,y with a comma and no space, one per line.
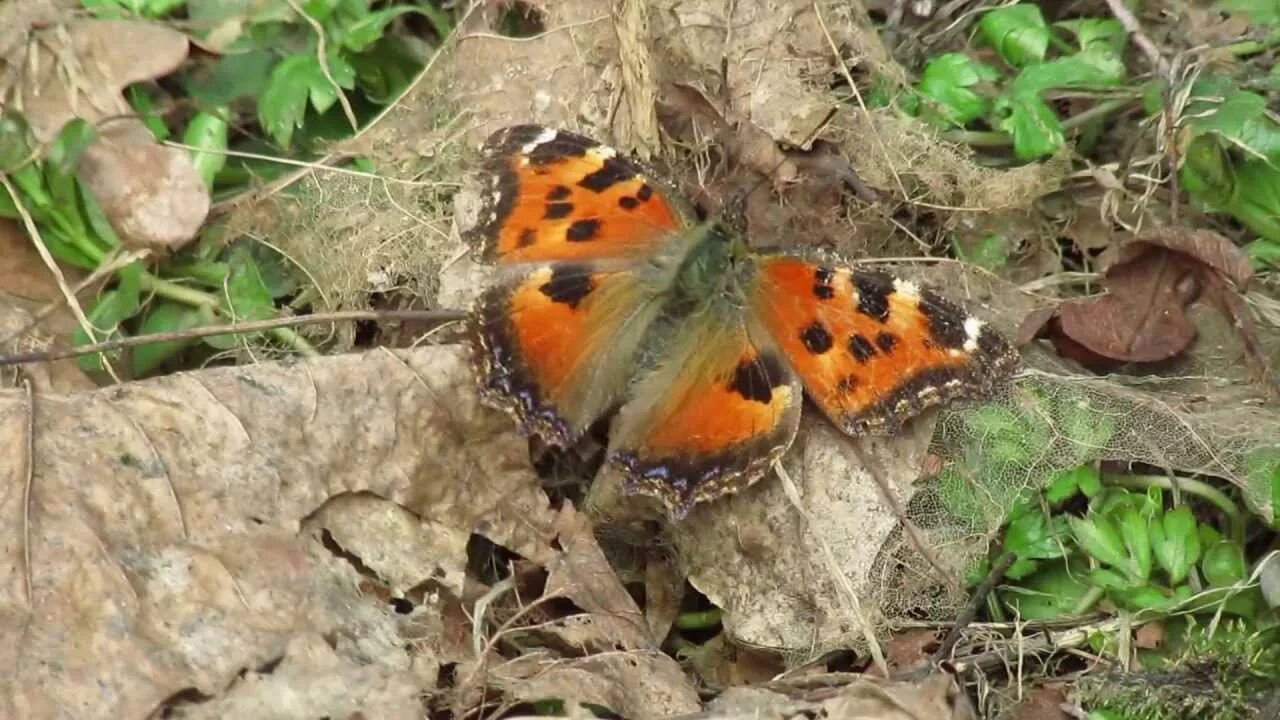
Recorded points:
151,194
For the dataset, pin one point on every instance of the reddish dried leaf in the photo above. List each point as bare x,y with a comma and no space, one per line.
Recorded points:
1141,319
1207,247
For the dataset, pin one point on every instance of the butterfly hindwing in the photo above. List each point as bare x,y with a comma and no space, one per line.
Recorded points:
555,195
554,344
710,417
873,351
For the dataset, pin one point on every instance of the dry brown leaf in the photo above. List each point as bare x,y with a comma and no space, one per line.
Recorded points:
168,531
862,698
151,194
635,684
1042,703
313,680
581,573
663,593
1152,281
27,287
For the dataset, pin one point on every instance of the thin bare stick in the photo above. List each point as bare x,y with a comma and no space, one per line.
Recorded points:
976,600
1140,38
833,567
28,483
437,316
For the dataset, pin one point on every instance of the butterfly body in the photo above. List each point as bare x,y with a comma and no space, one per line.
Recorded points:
610,297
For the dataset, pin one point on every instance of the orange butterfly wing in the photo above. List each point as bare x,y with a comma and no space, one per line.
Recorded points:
710,418
553,345
554,195
872,351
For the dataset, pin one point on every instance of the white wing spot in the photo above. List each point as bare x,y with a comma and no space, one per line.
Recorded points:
906,288
972,328
604,152
546,136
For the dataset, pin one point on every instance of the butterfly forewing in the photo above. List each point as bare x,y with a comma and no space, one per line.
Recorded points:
874,351
554,195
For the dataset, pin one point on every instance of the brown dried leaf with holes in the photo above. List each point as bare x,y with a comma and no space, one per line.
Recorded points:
151,194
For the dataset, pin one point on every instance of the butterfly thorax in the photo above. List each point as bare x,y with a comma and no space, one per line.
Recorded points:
706,272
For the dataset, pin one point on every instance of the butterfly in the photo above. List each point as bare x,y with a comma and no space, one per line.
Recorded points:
608,295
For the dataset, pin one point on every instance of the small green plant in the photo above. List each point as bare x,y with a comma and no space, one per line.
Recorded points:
959,91
202,286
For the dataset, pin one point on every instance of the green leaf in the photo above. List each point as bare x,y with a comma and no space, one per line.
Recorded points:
1264,253
1083,479
1017,32
164,316
1137,540
208,131
1035,129
111,308
70,144
1098,536
283,104
1262,12
323,93
103,234
17,144
1052,592
991,252
142,102
1223,564
64,154
1262,471
30,180
233,77
1239,117
1142,597
8,205
365,32
247,295
1176,543
389,66
1032,535
1094,33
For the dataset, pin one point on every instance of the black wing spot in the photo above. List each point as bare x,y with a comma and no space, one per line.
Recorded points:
823,275
628,203
644,193
824,292
886,341
528,236
816,338
873,291
755,378
613,171
569,284
861,348
559,192
582,230
946,321
557,210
